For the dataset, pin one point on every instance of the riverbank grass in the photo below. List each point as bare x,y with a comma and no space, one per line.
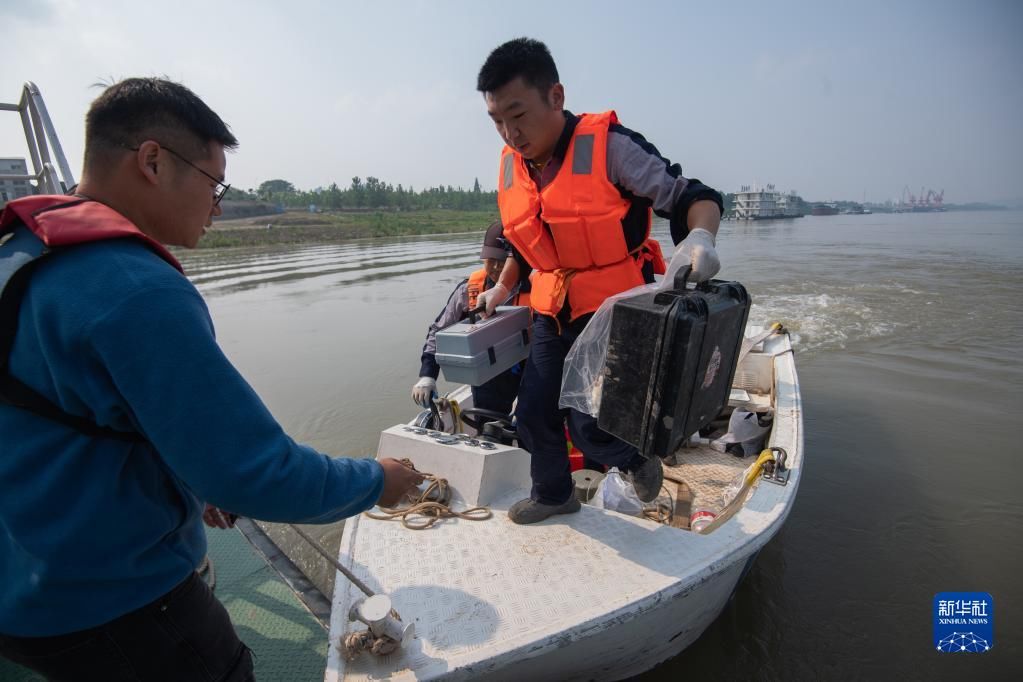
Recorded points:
309,228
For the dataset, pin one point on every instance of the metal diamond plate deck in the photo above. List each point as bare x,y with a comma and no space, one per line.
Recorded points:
707,472
476,583
591,595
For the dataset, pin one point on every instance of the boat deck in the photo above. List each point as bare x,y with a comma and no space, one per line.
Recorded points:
707,472
474,584
289,643
591,595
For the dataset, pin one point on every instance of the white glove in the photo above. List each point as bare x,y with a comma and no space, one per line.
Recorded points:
424,390
491,298
696,250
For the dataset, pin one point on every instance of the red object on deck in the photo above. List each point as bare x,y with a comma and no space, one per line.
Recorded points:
575,455
575,458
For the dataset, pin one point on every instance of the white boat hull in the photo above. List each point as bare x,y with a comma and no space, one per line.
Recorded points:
591,595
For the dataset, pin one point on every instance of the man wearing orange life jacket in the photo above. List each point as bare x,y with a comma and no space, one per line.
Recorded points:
576,195
499,393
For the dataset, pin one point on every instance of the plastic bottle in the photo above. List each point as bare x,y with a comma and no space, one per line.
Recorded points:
702,517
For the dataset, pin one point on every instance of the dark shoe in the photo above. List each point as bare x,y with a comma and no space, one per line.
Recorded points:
648,478
528,511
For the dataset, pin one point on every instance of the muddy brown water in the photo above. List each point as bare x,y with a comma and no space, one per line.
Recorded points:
908,336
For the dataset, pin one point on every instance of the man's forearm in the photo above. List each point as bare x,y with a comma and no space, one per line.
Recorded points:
510,274
704,214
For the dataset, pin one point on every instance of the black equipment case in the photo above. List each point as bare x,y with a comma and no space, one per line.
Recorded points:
671,358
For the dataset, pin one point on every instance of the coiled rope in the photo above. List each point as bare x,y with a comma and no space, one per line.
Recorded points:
354,643
659,511
433,504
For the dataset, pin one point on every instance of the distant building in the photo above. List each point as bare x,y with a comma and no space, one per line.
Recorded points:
13,189
765,203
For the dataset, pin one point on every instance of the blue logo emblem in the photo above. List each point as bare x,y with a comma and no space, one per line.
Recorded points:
964,622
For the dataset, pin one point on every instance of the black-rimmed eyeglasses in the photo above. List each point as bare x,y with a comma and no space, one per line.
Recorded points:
221,189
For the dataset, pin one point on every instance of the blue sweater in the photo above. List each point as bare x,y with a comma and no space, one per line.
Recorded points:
92,528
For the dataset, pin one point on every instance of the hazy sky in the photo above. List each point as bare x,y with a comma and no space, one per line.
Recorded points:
835,100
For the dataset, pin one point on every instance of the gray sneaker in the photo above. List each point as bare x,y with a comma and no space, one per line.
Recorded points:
528,511
648,478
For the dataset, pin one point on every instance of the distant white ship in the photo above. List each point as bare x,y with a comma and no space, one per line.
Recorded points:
765,203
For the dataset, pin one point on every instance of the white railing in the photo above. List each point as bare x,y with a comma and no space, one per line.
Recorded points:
51,172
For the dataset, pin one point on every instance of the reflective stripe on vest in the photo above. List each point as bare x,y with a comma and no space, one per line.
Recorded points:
570,232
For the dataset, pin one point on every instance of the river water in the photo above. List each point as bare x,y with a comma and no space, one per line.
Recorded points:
908,336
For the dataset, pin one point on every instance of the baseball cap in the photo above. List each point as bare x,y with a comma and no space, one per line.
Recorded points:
494,243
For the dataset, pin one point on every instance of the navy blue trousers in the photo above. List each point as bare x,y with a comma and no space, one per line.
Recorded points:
184,635
541,424
499,393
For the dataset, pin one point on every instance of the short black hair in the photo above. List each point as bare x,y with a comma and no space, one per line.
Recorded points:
135,109
523,57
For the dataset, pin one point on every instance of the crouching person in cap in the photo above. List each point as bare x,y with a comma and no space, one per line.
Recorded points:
499,393
123,424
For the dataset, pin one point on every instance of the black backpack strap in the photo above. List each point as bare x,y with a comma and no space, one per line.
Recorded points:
14,392
20,254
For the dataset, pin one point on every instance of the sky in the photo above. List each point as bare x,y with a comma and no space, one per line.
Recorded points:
834,100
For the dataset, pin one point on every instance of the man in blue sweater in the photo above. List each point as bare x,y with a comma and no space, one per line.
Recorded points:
101,508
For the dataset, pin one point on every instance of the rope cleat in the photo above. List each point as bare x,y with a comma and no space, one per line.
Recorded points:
385,632
775,470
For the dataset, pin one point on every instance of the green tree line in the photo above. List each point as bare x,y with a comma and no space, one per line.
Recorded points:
370,193
375,194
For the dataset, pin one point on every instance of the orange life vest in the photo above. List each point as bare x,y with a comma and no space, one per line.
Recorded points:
478,284
571,231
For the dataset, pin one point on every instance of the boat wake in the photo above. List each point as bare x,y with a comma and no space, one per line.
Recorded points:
822,321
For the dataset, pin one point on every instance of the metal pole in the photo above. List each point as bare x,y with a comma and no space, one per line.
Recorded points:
334,562
58,151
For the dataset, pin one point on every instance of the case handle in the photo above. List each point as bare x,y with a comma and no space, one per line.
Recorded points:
681,279
683,273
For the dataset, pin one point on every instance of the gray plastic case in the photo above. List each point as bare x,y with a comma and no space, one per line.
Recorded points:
475,352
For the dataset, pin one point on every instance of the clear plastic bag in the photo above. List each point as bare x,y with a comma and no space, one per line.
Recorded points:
617,494
583,376
733,488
